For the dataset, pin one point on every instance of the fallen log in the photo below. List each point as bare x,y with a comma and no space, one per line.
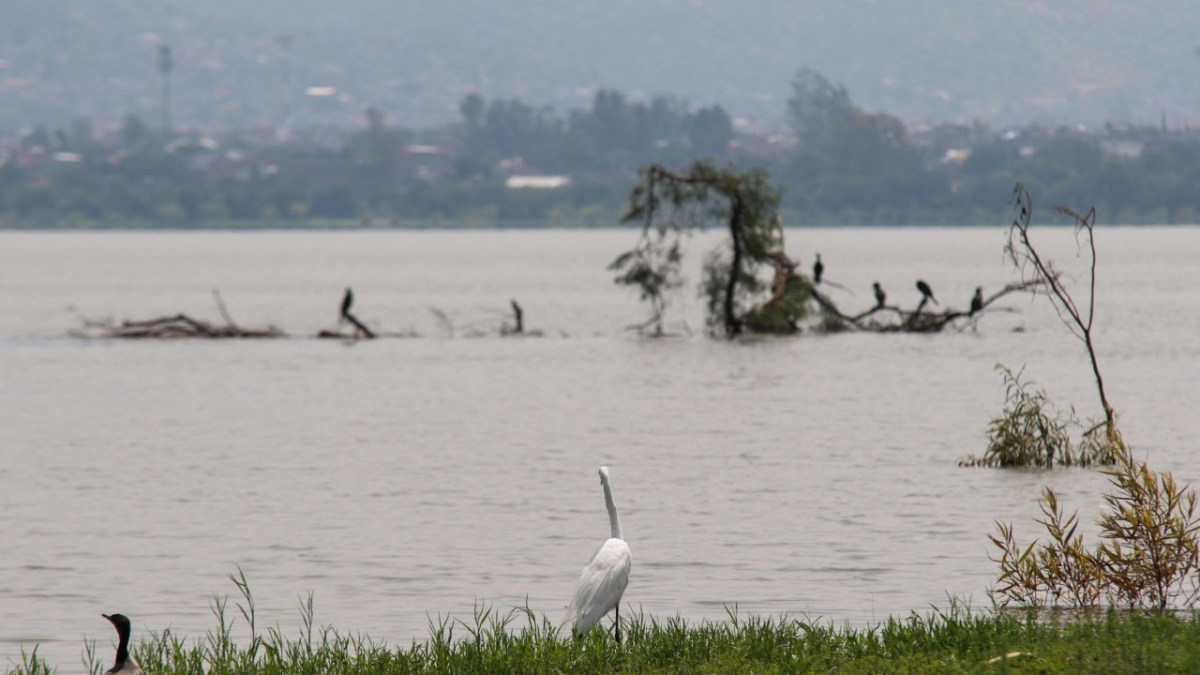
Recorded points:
177,326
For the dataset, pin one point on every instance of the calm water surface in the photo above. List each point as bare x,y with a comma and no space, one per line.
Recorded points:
407,478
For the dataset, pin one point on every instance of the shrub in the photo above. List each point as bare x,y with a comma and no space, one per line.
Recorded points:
1031,433
1149,556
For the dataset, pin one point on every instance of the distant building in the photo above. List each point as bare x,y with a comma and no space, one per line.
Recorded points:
537,182
1123,148
956,156
425,149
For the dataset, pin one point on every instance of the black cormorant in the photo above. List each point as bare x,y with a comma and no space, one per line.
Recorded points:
818,270
123,665
347,301
926,291
880,296
977,301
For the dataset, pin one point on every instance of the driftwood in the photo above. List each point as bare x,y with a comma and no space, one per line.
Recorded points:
510,325
360,329
178,326
333,334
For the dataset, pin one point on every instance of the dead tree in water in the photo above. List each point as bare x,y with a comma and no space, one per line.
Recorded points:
672,204
1026,258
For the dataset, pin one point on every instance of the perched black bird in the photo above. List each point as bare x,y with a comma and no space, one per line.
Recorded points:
926,291
818,270
976,302
880,296
518,317
347,301
123,665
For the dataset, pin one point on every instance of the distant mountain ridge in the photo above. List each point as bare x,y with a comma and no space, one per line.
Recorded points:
1006,61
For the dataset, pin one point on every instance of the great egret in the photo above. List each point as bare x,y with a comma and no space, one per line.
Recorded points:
880,296
926,291
818,270
604,578
977,301
123,665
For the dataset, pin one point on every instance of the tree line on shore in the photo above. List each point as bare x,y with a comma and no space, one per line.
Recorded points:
840,164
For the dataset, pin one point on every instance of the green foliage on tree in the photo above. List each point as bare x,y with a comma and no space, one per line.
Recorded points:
814,108
671,205
376,152
710,131
835,134
134,131
615,133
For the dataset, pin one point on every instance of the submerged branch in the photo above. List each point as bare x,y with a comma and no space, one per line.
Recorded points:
359,327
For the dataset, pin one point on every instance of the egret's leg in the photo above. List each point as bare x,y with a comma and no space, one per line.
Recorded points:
618,623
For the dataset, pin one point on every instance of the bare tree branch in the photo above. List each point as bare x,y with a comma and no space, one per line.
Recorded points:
224,312
918,320
1026,258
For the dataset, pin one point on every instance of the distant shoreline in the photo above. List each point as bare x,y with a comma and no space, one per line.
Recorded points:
356,225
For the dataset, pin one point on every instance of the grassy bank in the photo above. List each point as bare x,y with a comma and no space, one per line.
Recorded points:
518,642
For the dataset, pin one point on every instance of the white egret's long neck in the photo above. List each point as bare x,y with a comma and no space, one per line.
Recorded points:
613,520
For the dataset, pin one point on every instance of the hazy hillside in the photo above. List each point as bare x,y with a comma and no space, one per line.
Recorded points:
1006,61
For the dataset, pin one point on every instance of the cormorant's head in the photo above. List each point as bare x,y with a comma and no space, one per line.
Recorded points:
119,621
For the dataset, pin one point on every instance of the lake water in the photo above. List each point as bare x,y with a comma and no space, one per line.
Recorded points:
406,478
